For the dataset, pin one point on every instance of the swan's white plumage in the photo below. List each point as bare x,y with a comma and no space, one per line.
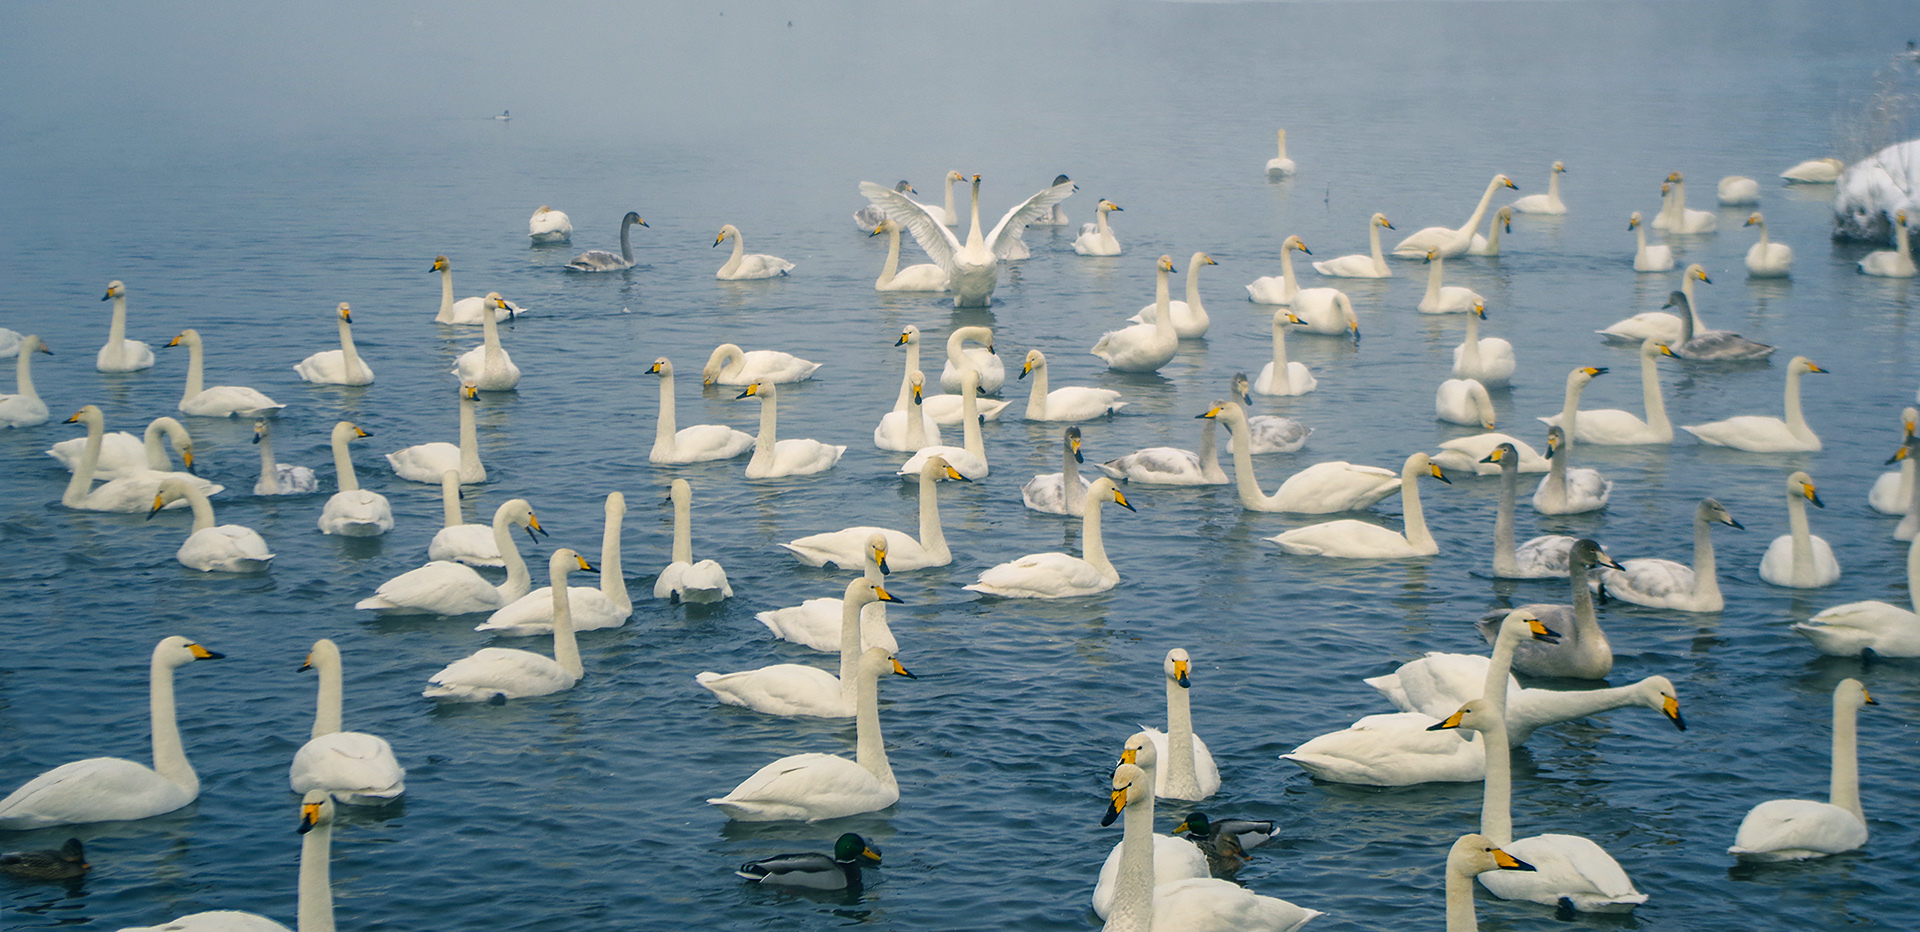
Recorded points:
447,588
353,511
593,607
745,266
353,767
728,365
120,354
1097,239
496,673
428,462
220,400
549,226
337,367
1060,575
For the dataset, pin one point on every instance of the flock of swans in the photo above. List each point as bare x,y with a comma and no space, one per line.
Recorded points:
1459,715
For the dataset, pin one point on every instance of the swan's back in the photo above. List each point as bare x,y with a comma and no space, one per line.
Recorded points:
1042,576
807,787
1721,345
498,671
97,789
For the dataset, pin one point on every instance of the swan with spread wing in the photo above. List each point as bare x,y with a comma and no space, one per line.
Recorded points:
973,266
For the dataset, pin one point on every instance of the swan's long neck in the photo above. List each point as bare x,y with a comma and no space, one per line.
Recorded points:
1210,453
202,508
1796,422
739,251
871,751
446,296
1640,247
888,270
1845,791
1132,907
1586,622
1470,350
82,480
469,441
933,537
1373,244
1545,707
1182,781
349,354
1802,537
1902,246
23,373
342,462
1553,187
169,756
1913,573
1655,401
1505,562
970,425
769,424
1193,286
916,424
904,400
950,211
315,910
450,515
519,581
1433,278
1679,199
1283,144
269,476
1162,314
1493,235
1479,210
1460,912
1244,480
1763,235
491,355
195,360
1037,394
1100,221
613,583
1070,491
1288,287
1557,471
682,530
1280,376
1706,575
566,650
326,717
975,240
850,609
157,458
1496,800
1569,412
1416,516
667,425
1093,546
626,241
1693,307
117,330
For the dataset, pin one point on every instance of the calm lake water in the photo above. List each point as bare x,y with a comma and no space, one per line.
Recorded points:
244,173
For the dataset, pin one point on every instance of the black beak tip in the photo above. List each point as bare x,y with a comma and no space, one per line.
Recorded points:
1679,722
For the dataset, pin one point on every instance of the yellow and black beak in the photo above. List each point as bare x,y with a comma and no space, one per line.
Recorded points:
158,503
750,391
309,817
1665,350
1450,722
1025,368
1212,412
1899,455
1116,801
903,339
954,474
584,567
880,560
533,527
1813,368
654,369
1075,444
1120,498
201,653
1493,457
1670,706
1180,674
1595,371
471,392
1438,474
882,594
1508,862
308,665
1806,488
899,670
1541,632
1868,696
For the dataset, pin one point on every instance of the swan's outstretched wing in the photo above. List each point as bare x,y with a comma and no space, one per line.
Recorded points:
1010,228
932,235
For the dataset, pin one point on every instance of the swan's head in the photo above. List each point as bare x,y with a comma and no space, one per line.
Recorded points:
1108,492
1477,854
616,504
1381,221
1904,453
1035,360
1666,190
541,210
976,183
633,217
956,176
1633,221
1059,180
917,386
518,511
1178,668
1801,485
1131,786
188,337
1900,218
177,651
323,651
117,289
882,227
1111,206
346,313
1678,299
722,354
678,491
1502,454
1506,182
1140,752
440,264
1474,716
725,232
1165,264
1803,364
1073,444
879,661
565,561
662,368
1504,217
1657,692
1200,258
1754,220
1556,438
1673,178
1851,693
1586,554
1559,167
903,187
1585,374
908,335
1295,242
860,591
1909,421
1433,254
1520,624
1292,318
1480,309
877,552
316,809
851,848
1420,461
1711,510
89,414
1224,411
1698,272
259,430
1238,386
497,303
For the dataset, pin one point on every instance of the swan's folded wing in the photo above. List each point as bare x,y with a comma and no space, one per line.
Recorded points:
932,235
98,789
1014,224
1798,825
348,760
1042,575
1570,864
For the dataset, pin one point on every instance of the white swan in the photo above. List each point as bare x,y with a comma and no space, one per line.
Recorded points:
774,458
498,673
1464,401
1855,628
1056,575
947,410
465,310
1738,191
1675,218
697,444
1097,239
1548,203
923,277
1469,857
1071,403
112,789
1542,557
131,492
1475,455
845,548
1373,265
1280,166
24,408
1760,434
1614,427
1188,771
1655,258
1659,325
1323,488
1815,171
1565,490
10,341
122,453
121,354
353,511
458,541
447,588
487,367
1063,492
1800,559
593,608
1358,540
1797,829
794,689
1174,858
1143,347
1438,682
985,361
911,429
1268,433
811,787
683,579
744,266
1667,584
1326,311
1487,360
600,260
315,903
1283,376
815,623
1710,345
970,459
278,478
1489,245
1767,259
427,462
1172,465
337,367
220,400
728,365
1583,651
973,266
548,226
1279,289
1190,318
868,218
1452,243
353,767
1894,263
1446,299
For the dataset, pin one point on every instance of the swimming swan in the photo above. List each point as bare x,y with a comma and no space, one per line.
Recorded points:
24,408
1358,540
923,277
1268,433
970,459
742,266
1710,345
1172,465
1738,191
1565,490
1323,488
1174,858
1143,347
1667,584
1761,434
220,400
315,904
549,226
984,361
499,673
1655,258
446,588
1582,652
1446,299
353,767
973,266
1464,401
1815,171
457,540
1283,376
1469,857
123,454
1190,318
892,432
728,365
1487,360
1855,628
1055,575
121,354
593,608
1097,239
277,478
1660,325
1542,557
1767,259
684,580
774,458
1800,559
1280,166
465,310
353,511
1063,492
427,462
845,548
1452,243
1548,203
600,260
1675,218
210,548
1614,427
1894,263
1797,829
112,789
1373,265
487,367
337,367
696,444
131,492
1489,245
815,623
794,689
1071,403
1279,289
1189,771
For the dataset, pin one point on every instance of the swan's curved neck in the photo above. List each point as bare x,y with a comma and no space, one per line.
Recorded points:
519,581
1373,245
1763,234
349,354
1182,781
342,462
202,508
1093,547
1493,234
1245,482
666,426
117,330
626,240
1651,396
1802,537
469,442
1415,515
1545,707
1845,791
23,372
871,750
1496,802
316,880
169,756
1553,187
450,515
1796,421
566,650
1902,246
933,537
1037,394
446,296
1210,453
1679,199
613,583
892,267
916,421
739,251
1706,575
682,530
1505,562
1913,573
195,360
1479,210
1434,272
1693,308
157,458
82,480
1460,912
326,717
1132,907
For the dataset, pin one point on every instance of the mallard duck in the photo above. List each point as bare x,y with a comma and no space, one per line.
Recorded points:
839,871
67,862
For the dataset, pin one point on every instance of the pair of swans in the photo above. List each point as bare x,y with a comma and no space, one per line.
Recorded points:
812,787
970,459
1542,557
1614,427
457,540
1674,217
443,587
1358,540
1190,320
815,623
134,489
427,462
277,478
466,310
353,511
1767,259
592,608
846,548
773,457
972,266
24,408
1056,575
1063,492
1323,488
1174,858
697,444
1280,166
337,367
729,365
112,789
1372,265
1660,325
1854,629
1657,257
1452,243
1894,263
1797,829
1815,171
315,903
1565,490
684,579
1096,238
1070,403
1487,360
1667,584
923,277
600,260
1172,465
1800,559
487,367
220,400
1761,434
548,226
495,674
1738,191
352,767
1582,651
1446,299
1282,288
1144,347
1318,310
744,266
1548,203
120,354
793,689
123,454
